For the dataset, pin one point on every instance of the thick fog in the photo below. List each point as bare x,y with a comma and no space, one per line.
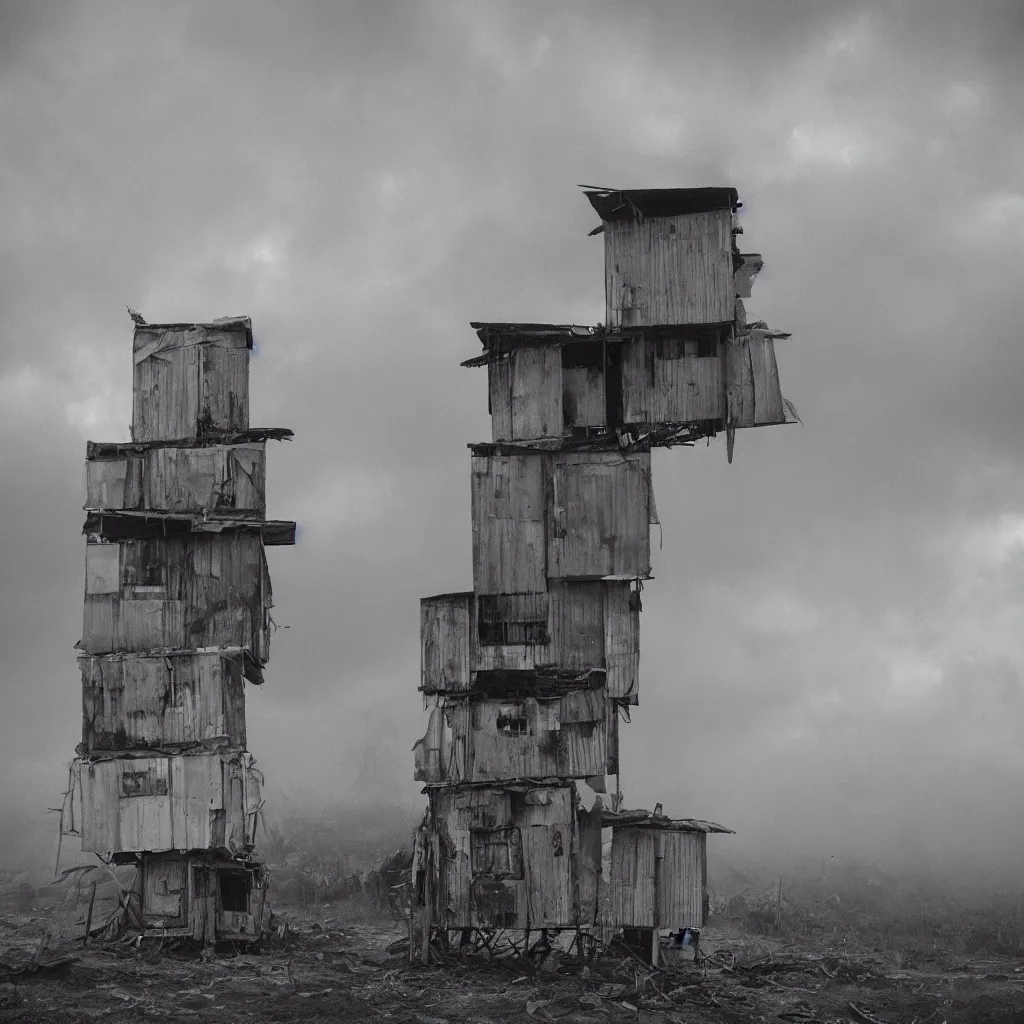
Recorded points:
831,647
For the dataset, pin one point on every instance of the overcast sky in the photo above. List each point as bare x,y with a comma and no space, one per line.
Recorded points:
832,648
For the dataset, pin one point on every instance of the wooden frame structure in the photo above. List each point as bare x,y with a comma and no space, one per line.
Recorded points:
531,672
177,620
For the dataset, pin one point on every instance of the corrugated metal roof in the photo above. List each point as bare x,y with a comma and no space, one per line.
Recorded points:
621,204
648,819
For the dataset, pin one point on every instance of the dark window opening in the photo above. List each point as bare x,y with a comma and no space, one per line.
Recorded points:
515,684
144,566
512,619
496,853
704,346
513,721
234,891
143,783
578,355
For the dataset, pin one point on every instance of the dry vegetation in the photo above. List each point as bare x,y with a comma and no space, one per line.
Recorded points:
844,943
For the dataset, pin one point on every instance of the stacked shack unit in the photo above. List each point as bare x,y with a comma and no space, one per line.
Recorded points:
533,671
177,620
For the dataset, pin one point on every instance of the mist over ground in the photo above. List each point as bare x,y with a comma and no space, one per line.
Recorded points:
831,648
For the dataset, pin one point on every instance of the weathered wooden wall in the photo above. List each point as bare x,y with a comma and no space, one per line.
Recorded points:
483,740
133,702
682,879
155,804
669,270
563,515
190,380
622,642
525,393
510,860
752,381
591,625
508,510
659,878
600,515
218,477
445,642
668,382
201,590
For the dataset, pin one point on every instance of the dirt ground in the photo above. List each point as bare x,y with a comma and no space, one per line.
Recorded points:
333,965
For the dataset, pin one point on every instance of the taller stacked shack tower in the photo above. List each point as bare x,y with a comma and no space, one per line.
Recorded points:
531,672
177,617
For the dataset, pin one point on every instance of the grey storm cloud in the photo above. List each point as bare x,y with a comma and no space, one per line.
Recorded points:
832,641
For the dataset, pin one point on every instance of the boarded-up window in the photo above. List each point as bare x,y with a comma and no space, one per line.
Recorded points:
496,853
512,618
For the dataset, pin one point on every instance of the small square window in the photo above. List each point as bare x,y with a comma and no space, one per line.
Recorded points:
513,720
512,619
496,853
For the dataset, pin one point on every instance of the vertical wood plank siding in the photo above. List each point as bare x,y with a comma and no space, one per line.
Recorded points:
622,642
544,823
632,881
189,381
575,628
445,642
669,270
133,702
210,591
494,741
660,390
536,396
181,480
600,515
499,397
682,879
752,382
508,524
199,803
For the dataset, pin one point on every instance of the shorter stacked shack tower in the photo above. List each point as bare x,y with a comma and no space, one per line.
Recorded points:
177,618
531,672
